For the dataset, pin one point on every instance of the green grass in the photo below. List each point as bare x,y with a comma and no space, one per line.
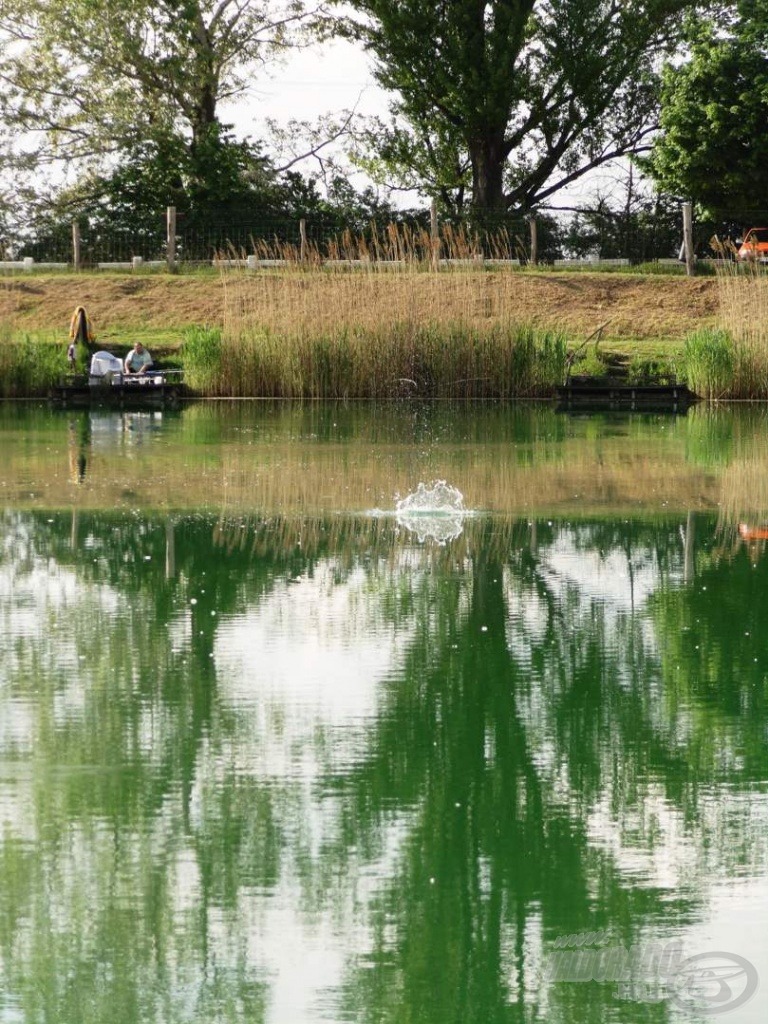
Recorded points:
162,341
424,361
710,363
205,269
29,365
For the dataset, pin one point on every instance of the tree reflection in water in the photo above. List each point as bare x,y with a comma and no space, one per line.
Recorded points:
542,750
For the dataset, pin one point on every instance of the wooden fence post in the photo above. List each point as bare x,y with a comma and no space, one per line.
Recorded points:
303,237
688,238
434,232
534,239
76,244
170,254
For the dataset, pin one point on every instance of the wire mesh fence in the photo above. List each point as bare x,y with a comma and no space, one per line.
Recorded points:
584,236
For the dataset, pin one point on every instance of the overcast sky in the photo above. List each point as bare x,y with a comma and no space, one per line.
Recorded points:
321,80
314,81
337,76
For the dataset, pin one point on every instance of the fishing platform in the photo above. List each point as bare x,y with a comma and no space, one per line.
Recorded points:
585,394
157,391
108,385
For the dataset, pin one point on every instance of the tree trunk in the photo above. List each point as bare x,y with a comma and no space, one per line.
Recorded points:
204,118
207,84
488,156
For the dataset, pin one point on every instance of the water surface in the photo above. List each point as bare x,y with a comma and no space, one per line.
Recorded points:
274,747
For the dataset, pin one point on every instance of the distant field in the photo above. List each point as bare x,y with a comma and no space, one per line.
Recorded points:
646,313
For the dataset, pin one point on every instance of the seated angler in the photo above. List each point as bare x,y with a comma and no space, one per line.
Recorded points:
138,360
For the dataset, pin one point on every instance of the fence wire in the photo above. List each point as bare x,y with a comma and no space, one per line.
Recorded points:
633,237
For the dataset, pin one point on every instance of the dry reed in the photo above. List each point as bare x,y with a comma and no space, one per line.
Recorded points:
743,313
379,316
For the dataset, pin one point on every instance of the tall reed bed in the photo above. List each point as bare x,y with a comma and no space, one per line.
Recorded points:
384,319
710,362
399,243
29,366
735,359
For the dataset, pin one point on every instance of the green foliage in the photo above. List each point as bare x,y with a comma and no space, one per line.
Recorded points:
30,366
642,370
516,99
709,362
639,229
225,192
94,76
221,181
590,364
143,81
713,146
201,355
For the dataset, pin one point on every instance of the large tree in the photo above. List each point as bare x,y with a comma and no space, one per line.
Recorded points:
514,98
91,74
128,96
713,147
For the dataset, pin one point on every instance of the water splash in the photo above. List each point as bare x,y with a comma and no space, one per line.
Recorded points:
437,497
433,511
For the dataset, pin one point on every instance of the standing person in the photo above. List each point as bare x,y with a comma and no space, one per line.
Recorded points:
138,359
80,332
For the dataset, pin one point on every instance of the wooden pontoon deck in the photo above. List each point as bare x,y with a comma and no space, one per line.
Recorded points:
163,388
581,394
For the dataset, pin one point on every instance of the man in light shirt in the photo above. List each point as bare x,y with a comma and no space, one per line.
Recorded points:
138,360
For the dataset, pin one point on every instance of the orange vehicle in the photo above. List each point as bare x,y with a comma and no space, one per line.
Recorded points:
755,245
753,532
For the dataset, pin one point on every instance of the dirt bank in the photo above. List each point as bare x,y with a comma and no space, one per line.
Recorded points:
638,307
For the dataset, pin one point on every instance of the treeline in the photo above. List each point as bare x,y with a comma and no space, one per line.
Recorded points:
111,113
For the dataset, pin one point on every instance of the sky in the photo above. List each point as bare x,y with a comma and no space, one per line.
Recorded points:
338,76
314,81
324,79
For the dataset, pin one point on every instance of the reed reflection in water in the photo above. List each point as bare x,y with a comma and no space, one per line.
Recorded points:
266,458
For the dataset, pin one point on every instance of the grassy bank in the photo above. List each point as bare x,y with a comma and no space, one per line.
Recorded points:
652,310
368,330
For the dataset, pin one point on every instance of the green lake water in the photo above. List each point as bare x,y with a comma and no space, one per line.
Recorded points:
284,738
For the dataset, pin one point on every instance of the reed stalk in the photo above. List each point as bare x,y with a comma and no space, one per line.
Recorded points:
29,366
382,320
743,313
